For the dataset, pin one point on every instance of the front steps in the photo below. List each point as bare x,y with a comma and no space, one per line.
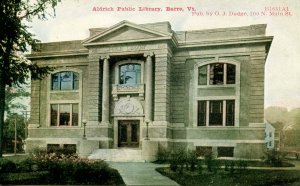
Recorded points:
118,155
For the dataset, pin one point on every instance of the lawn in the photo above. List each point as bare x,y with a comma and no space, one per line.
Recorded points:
239,177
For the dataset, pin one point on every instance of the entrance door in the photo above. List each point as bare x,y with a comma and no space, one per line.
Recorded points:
129,133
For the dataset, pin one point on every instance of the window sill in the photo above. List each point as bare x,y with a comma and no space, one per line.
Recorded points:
217,86
63,91
64,127
216,127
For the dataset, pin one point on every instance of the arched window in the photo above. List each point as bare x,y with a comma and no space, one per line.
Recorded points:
216,74
130,74
65,80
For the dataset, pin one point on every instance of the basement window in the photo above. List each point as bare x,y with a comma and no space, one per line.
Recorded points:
225,151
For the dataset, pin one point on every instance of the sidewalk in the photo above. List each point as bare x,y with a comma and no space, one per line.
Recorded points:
134,173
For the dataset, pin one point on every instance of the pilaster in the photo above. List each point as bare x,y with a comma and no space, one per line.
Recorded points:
94,92
35,104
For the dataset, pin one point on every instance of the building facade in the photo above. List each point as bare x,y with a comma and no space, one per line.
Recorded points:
139,88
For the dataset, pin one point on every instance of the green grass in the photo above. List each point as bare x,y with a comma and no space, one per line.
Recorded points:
243,177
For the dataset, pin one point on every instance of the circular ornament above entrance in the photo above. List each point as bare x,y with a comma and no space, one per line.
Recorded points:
128,106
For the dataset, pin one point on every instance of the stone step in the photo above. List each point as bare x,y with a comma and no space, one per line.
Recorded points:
118,155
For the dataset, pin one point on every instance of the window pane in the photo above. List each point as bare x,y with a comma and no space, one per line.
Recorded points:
75,115
216,74
64,114
202,76
130,74
75,81
201,113
52,148
55,81
225,151
203,151
230,113
53,117
134,132
70,148
216,112
66,80
230,74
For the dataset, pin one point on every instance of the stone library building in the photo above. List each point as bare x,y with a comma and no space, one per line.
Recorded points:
130,90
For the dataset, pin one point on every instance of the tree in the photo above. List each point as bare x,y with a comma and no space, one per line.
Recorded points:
14,96
14,41
283,121
9,132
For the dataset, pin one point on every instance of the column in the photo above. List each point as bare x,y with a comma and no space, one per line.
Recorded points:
105,93
149,87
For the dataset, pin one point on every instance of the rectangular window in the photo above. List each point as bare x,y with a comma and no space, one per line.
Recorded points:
201,113
215,113
230,104
69,148
64,115
216,74
52,148
203,151
225,151
230,74
202,76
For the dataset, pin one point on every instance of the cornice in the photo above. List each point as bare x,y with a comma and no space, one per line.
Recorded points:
54,54
234,41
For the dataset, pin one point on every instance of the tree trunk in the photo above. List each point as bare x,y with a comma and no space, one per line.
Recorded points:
2,107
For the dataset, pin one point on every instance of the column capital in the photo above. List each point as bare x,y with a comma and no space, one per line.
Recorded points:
146,54
104,57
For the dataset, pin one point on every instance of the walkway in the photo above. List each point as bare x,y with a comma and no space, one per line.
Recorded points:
134,173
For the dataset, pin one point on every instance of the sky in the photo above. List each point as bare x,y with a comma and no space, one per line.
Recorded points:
282,70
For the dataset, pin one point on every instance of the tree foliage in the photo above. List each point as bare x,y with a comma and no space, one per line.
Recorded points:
14,99
15,38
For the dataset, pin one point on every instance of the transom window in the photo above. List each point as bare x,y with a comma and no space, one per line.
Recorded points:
216,74
64,114
65,80
216,113
130,74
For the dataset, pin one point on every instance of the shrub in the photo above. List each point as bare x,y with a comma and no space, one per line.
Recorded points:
173,162
162,155
27,165
231,167
208,158
199,166
297,155
192,160
226,165
274,157
7,166
242,165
